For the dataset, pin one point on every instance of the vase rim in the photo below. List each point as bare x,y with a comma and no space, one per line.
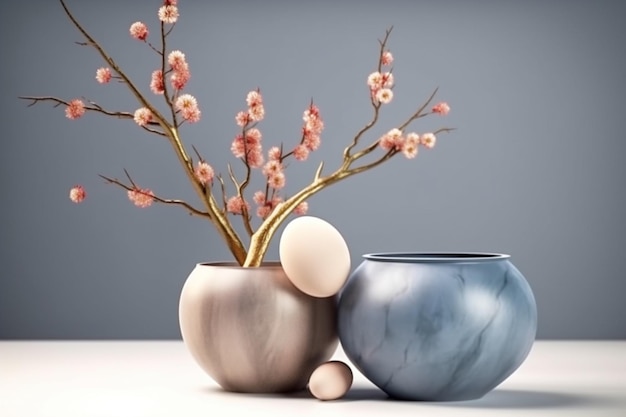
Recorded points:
235,265
436,257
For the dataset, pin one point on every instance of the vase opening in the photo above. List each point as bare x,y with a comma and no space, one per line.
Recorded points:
441,257
265,265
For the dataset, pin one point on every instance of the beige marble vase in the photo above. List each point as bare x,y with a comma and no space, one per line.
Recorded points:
251,330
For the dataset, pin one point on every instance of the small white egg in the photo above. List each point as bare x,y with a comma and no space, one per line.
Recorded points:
314,256
330,381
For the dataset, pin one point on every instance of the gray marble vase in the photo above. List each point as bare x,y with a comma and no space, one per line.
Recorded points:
252,330
437,326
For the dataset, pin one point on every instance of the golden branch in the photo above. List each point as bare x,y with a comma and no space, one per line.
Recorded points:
219,219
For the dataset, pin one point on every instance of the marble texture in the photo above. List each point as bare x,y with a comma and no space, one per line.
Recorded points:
252,331
447,328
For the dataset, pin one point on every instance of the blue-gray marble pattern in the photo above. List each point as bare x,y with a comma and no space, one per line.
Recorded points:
437,331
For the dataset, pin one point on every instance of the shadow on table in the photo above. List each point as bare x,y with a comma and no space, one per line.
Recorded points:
510,398
499,398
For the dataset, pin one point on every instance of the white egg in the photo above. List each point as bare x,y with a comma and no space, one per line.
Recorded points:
330,381
314,256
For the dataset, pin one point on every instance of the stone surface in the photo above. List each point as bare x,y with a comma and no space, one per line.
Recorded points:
437,331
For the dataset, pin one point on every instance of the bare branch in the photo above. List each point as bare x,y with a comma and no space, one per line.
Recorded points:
418,113
93,106
189,207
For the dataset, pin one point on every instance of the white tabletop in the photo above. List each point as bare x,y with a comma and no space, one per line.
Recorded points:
154,378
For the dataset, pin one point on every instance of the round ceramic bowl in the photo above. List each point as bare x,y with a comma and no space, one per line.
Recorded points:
437,326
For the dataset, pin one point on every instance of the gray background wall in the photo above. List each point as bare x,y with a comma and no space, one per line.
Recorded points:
536,168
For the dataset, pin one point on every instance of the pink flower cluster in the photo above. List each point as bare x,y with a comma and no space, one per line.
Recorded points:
381,83
311,131
247,145
187,105
265,204
408,145
141,197
77,194
179,74
180,70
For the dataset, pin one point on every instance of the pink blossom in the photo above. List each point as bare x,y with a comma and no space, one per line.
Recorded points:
384,95
186,101
254,98
255,106
188,106
387,80
139,30
410,146
143,116
428,140
277,180
387,58
312,141
375,81
255,158
236,205
311,114
191,115
75,109
141,197
254,135
264,211
301,153
274,153
252,144
313,123
441,108
257,113
259,198
301,208
157,84
168,14
204,173
392,140
243,118
177,61
179,79
103,75
77,194
272,168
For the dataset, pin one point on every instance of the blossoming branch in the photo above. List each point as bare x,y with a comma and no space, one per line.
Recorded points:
168,82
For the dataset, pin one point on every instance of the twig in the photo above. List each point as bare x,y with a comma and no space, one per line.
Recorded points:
92,106
192,210
240,186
